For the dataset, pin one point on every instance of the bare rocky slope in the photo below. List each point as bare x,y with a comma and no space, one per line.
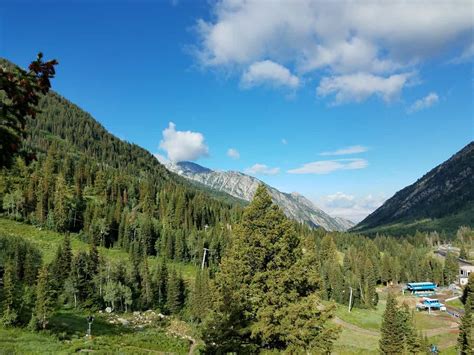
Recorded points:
243,186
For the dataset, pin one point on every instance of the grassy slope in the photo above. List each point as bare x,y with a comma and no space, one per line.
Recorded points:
67,328
365,339
48,241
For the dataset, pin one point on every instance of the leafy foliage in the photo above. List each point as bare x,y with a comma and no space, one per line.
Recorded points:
20,92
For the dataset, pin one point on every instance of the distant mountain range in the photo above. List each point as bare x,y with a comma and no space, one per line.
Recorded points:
443,199
243,186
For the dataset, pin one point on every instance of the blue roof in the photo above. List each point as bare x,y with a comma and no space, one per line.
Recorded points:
419,286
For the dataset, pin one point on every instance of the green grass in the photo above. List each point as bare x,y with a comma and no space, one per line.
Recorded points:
365,340
363,318
455,303
22,341
351,342
66,334
425,321
48,241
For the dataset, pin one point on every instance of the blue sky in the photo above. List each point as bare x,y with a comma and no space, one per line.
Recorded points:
279,84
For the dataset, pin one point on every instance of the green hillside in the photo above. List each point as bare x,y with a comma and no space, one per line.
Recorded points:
441,200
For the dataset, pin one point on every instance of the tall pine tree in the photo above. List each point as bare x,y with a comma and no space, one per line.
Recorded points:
392,332
44,301
265,294
465,338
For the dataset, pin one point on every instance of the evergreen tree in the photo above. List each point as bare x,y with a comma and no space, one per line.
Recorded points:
392,330
265,291
465,338
468,290
44,302
9,313
175,293
413,343
61,266
200,300
451,268
60,204
146,297
161,284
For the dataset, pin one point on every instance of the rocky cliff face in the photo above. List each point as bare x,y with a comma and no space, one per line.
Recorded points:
243,186
446,190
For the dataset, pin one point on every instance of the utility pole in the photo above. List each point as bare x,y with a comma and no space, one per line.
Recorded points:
204,258
350,298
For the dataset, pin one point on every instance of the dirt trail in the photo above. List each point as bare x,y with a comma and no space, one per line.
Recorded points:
356,328
193,341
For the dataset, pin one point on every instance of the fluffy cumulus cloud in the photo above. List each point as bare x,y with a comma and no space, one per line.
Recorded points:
354,149
269,73
424,103
329,166
233,153
183,145
354,208
344,41
358,87
262,169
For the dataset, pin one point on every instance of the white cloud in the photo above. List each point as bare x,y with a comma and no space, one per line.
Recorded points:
329,166
183,145
354,208
360,86
424,103
466,56
233,153
261,169
284,141
343,37
348,150
268,73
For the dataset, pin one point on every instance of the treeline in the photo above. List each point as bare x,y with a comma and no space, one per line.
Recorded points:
86,180
349,261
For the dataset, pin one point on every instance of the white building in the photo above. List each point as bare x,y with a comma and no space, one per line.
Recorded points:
464,271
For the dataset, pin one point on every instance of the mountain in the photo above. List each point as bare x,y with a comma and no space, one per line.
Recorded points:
244,186
443,199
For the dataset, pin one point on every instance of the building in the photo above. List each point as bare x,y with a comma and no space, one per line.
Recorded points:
464,271
421,288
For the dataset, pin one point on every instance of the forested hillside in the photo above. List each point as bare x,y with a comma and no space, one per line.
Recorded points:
440,200
85,179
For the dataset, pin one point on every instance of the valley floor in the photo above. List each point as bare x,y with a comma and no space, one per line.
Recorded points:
125,334
361,327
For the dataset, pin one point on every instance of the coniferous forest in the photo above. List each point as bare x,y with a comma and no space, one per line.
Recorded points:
254,280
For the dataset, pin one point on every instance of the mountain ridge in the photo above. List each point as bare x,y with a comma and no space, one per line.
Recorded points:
243,186
444,192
